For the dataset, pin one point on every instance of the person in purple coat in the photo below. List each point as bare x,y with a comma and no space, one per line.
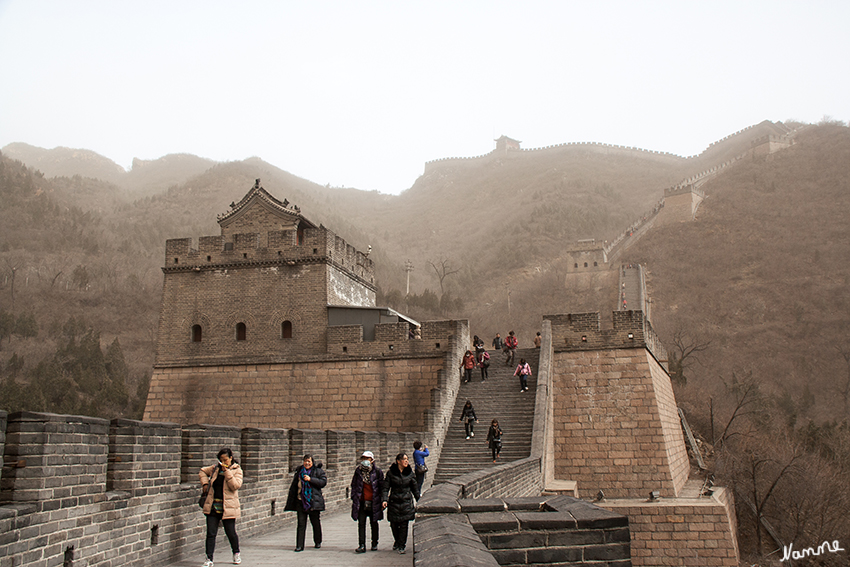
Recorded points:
366,487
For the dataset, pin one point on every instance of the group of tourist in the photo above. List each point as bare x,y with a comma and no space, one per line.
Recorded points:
372,492
481,359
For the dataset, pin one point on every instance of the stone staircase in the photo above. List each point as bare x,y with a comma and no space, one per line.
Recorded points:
497,398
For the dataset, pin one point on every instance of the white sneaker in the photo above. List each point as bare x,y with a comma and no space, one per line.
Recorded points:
208,563
472,433
467,436
237,559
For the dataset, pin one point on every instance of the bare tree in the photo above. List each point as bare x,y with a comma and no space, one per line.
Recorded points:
748,402
684,354
765,472
443,269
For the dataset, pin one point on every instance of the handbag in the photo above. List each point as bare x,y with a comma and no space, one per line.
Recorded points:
420,469
203,499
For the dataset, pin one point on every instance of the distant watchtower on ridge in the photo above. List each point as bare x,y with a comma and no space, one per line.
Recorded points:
503,143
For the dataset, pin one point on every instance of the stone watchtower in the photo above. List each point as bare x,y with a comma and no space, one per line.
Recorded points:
276,314
260,291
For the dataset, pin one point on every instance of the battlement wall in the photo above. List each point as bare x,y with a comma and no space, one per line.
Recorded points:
87,490
593,147
696,531
766,145
392,383
776,129
391,339
281,247
583,332
589,255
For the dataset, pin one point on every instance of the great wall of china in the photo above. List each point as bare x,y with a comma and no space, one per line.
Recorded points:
79,491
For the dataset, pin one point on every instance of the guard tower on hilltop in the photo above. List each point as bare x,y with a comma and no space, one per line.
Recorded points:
260,290
503,144
277,313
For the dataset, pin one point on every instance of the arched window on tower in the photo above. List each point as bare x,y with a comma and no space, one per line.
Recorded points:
286,330
241,331
197,333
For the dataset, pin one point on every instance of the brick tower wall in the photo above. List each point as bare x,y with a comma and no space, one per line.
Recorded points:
260,297
680,207
616,426
261,280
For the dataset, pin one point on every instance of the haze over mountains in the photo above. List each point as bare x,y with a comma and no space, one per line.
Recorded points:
751,294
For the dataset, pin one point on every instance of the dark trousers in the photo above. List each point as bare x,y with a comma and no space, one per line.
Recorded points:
301,530
467,374
212,530
420,480
484,373
399,533
523,381
470,426
496,450
362,518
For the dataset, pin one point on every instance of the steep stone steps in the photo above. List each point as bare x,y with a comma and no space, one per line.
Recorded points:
499,397
630,289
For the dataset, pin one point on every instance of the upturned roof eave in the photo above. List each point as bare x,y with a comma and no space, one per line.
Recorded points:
258,194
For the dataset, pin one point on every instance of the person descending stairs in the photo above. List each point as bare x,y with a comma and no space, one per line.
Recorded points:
499,397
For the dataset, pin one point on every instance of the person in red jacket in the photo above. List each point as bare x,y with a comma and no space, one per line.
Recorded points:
511,344
467,364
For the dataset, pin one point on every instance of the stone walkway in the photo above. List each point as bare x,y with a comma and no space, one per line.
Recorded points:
339,533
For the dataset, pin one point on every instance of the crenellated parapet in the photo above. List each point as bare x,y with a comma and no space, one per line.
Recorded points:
591,147
81,491
273,248
777,130
766,145
584,332
393,339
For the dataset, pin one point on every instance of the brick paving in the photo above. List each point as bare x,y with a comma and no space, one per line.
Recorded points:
339,533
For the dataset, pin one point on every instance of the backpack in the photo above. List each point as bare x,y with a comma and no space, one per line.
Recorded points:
485,359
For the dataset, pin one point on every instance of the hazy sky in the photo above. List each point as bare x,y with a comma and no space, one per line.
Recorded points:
361,94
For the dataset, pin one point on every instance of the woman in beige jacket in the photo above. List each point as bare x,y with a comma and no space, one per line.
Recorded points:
222,503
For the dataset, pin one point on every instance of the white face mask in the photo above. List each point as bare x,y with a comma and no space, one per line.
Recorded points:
365,462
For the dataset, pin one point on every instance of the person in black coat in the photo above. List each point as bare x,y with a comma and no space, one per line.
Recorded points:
400,490
469,418
494,439
366,505
305,498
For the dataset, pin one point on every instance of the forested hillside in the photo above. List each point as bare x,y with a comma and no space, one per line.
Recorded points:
78,304
753,302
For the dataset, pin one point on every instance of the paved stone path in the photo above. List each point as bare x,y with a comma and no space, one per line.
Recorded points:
339,533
